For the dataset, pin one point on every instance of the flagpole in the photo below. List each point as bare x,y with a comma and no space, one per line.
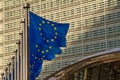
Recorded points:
15,65
21,55
6,69
18,60
2,74
25,41
13,68
21,51
9,64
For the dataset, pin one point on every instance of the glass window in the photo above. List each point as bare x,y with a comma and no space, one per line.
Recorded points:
43,6
78,10
100,5
56,3
71,24
10,48
13,36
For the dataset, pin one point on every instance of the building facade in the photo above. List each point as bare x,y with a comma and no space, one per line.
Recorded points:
94,27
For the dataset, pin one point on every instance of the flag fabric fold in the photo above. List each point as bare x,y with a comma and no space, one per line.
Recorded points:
45,39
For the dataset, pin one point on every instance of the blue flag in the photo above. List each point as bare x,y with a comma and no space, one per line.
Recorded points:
45,39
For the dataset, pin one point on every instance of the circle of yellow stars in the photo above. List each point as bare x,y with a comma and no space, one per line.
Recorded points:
54,28
51,40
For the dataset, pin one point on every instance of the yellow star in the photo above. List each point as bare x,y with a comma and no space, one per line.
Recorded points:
50,47
46,50
38,50
52,40
36,46
40,29
42,52
55,28
43,22
55,37
41,34
56,33
34,62
52,24
47,41
40,24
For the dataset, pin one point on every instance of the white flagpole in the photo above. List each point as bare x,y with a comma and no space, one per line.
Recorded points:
25,41
18,61
6,69
9,65
13,68
21,55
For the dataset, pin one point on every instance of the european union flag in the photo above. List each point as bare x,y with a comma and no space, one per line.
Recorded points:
45,39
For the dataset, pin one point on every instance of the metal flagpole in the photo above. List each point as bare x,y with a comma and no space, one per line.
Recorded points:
25,40
18,61
21,57
6,69
9,65
21,51
13,68
15,65
2,75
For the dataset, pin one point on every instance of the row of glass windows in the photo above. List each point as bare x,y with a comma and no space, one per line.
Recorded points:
112,2
35,8
88,21
8,3
92,6
113,16
53,66
10,37
100,19
49,4
88,7
92,47
10,48
12,13
94,33
63,14
12,25
55,3
7,59
67,13
99,5
58,15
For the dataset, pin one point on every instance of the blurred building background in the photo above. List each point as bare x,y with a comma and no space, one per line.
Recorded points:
94,27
